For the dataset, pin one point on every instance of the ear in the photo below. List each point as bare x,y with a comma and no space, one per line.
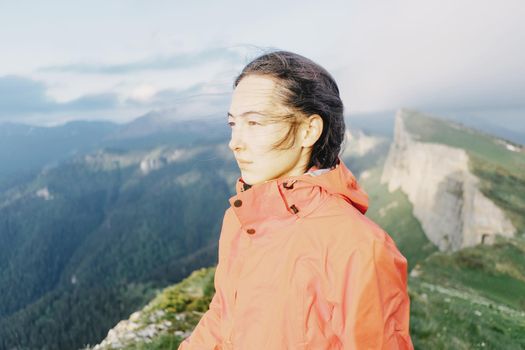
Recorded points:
312,129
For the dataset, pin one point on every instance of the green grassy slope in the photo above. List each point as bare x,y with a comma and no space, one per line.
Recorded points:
471,299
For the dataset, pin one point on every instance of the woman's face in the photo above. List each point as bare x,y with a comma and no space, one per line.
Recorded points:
252,135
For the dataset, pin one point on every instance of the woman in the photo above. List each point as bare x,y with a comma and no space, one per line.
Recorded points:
300,266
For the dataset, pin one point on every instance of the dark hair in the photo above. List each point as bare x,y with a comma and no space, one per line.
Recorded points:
306,88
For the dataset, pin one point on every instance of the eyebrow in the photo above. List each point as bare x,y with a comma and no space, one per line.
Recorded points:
245,113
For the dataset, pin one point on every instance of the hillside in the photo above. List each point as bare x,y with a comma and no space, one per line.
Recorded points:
471,299
88,241
167,319
25,149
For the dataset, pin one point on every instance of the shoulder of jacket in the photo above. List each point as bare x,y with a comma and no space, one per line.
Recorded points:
338,221
345,233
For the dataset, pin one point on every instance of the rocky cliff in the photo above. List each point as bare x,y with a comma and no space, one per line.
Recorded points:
445,195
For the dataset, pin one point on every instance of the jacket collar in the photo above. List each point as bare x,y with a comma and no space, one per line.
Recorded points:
296,195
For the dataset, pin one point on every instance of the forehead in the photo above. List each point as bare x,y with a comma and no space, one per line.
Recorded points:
254,93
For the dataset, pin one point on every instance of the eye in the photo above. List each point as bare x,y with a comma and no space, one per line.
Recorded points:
251,122
231,124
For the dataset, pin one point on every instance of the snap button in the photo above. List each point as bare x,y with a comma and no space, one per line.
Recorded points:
250,231
288,185
237,203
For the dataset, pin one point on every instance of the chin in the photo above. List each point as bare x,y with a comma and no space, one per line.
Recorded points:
247,179
250,179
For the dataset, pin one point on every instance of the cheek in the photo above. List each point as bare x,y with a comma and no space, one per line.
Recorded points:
261,148
261,144
266,140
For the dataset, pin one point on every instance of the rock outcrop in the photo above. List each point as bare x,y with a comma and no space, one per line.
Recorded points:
445,195
135,330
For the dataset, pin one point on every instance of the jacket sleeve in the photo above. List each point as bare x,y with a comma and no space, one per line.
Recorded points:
206,334
371,302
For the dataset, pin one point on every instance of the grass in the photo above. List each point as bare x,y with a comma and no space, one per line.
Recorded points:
471,299
504,188
162,342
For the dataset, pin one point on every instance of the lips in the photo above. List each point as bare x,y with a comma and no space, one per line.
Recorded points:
241,161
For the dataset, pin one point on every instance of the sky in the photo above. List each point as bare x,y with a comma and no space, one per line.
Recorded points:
117,60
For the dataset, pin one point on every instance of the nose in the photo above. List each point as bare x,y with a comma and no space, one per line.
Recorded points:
236,142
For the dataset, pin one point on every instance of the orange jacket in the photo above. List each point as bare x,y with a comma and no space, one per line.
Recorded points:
301,267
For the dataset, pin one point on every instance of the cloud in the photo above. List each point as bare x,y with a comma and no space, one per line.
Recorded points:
91,102
25,99
22,96
197,100
143,92
171,62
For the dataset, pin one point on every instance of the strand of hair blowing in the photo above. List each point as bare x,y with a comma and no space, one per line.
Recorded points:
309,89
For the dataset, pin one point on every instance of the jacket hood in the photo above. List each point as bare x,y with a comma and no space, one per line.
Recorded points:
296,194
339,181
